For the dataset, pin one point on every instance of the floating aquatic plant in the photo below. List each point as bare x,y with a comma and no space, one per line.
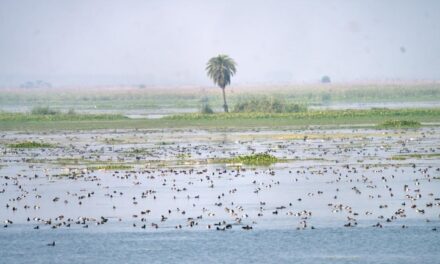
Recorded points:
256,159
31,144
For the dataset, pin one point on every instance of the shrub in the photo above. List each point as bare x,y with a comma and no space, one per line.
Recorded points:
326,98
44,110
71,111
267,105
325,79
206,109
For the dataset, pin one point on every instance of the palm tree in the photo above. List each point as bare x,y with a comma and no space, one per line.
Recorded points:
220,69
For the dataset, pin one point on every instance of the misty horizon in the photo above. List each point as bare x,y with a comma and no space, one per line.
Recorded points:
169,42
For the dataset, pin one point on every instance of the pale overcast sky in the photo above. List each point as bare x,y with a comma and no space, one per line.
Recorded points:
169,42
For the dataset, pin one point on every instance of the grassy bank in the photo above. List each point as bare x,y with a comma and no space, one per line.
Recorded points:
338,115
25,122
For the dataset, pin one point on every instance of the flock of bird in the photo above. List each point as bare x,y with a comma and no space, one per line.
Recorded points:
323,180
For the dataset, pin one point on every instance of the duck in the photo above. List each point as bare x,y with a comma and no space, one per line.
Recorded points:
51,244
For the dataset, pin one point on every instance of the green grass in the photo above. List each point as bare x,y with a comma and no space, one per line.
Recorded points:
31,144
315,117
399,124
398,157
317,114
111,167
26,122
260,159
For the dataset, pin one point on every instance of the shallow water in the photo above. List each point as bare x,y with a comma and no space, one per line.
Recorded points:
329,245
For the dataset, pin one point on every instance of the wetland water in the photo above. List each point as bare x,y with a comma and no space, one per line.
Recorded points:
339,196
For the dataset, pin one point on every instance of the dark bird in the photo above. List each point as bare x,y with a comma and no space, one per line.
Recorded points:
51,244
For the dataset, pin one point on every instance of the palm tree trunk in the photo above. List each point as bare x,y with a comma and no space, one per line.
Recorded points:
225,105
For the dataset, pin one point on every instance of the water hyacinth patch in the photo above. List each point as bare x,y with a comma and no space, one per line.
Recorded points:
31,144
256,159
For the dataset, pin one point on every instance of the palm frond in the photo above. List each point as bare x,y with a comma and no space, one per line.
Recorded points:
220,69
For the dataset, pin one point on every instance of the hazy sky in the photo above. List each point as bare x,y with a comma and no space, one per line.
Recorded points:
169,42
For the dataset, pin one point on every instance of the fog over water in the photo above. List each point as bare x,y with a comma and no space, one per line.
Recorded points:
85,42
